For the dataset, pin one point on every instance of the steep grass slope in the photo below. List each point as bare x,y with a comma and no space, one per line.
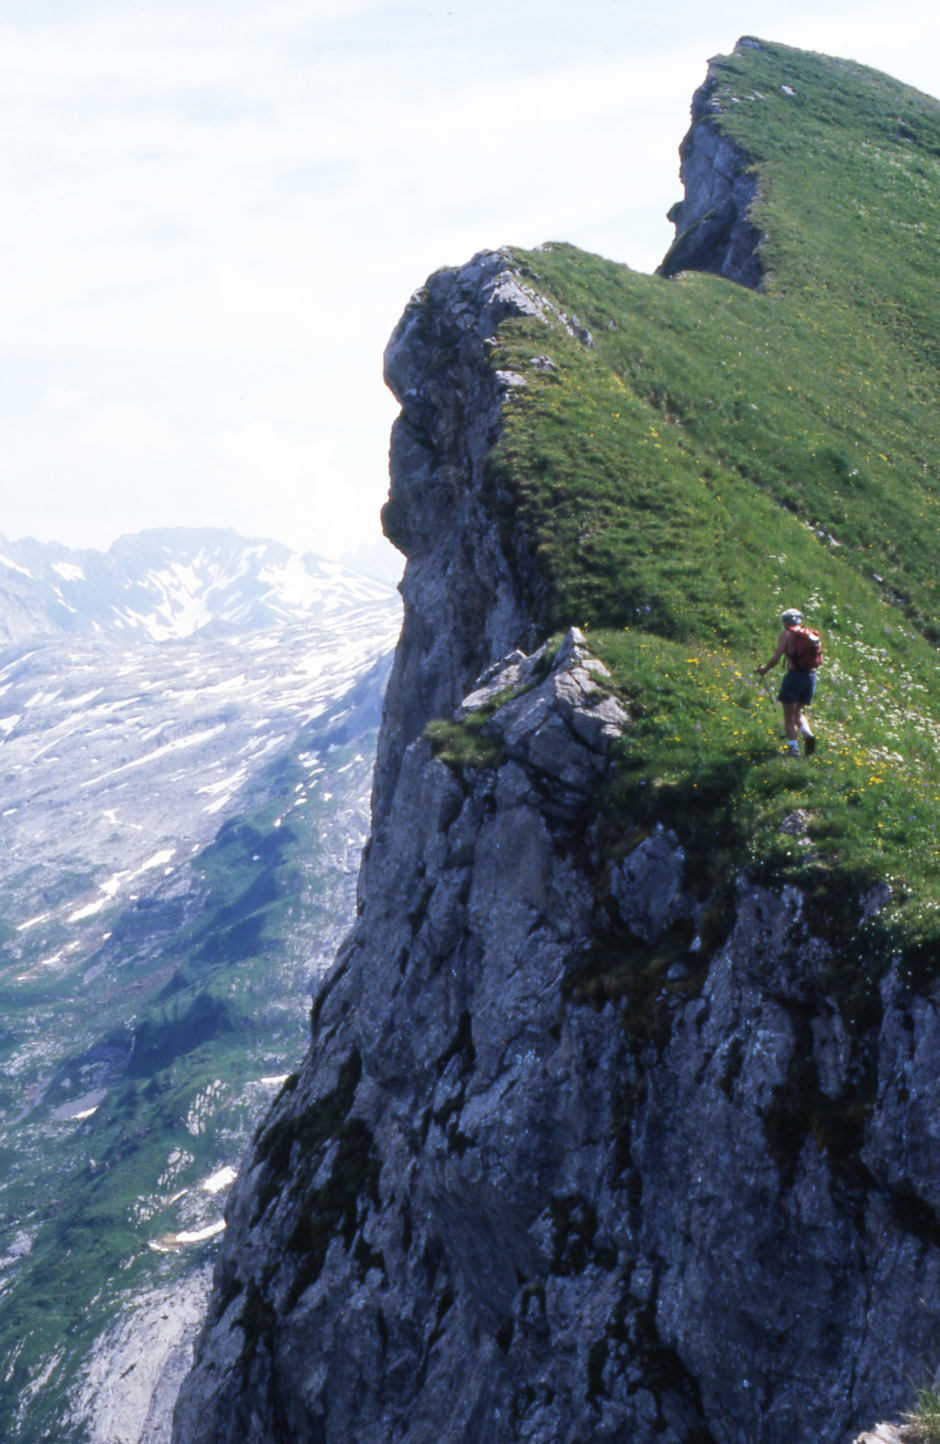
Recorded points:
711,454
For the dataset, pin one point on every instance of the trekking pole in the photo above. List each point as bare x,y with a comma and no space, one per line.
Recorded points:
770,695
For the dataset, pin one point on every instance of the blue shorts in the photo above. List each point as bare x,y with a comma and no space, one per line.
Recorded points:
797,687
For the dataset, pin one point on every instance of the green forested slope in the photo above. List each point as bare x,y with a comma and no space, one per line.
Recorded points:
717,454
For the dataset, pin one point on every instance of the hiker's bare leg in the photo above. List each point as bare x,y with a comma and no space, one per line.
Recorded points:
791,713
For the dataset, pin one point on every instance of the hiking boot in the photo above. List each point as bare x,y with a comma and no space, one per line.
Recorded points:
810,744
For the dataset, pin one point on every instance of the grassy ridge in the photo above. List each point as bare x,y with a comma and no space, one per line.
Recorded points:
717,454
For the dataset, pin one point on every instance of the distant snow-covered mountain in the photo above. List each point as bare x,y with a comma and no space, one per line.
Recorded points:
187,730
114,749
170,583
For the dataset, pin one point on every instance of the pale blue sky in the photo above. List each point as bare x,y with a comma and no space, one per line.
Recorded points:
215,212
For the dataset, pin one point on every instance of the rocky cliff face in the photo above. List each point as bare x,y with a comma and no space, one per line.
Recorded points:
714,230
490,1209
464,589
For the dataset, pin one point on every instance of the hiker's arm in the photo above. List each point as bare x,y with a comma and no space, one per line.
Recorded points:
781,649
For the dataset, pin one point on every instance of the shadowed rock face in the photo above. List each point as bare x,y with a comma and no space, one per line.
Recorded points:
484,1211
714,232
462,588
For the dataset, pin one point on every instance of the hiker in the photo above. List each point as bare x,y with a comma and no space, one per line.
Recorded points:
800,645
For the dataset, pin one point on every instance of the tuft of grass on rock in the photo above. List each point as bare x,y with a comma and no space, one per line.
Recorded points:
464,743
922,1423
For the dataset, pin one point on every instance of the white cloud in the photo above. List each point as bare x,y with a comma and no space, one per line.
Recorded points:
60,398
123,430
296,490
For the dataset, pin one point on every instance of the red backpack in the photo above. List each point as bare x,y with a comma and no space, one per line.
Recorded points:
807,649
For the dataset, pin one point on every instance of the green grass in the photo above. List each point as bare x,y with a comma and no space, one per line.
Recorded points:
466,743
923,1421
718,454
704,757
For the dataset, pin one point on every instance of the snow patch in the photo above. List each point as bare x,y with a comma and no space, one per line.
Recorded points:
293,584
171,1242
31,922
223,1179
198,1235
89,910
80,1108
113,884
227,785
158,860
15,568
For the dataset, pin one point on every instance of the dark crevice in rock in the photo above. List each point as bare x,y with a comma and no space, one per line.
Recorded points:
801,1109
574,1226
336,1208
293,1140
461,1046
258,1323
633,1345
913,1215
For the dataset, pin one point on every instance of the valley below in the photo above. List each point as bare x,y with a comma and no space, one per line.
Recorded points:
182,811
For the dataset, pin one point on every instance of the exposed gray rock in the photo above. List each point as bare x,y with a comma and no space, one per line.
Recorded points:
797,824
876,900
463,591
512,672
582,332
559,728
888,1434
714,229
488,1210
131,1381
649,886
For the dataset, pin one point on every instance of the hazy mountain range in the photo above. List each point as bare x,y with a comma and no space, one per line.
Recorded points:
171,583
187,728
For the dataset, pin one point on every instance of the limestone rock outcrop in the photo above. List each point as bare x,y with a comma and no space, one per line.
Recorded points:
494,1206
464,595
888,1434
714,229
